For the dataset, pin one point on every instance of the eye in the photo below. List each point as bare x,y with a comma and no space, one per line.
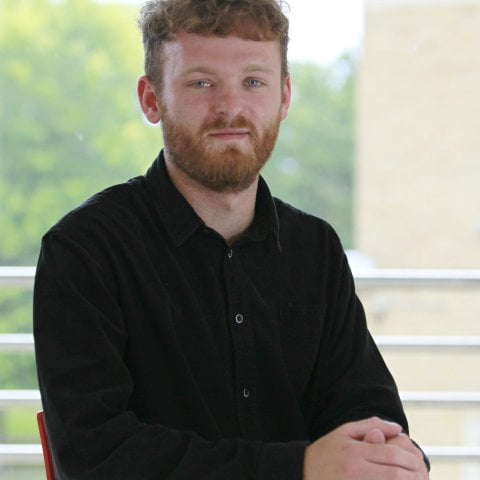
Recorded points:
253,82
200,84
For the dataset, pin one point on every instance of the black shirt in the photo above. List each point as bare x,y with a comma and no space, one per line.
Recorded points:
164,353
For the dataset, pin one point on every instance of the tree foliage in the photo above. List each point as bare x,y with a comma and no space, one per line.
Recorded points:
69,120
70,125
312,164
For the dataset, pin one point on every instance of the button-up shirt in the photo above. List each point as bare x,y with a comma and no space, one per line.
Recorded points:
163,352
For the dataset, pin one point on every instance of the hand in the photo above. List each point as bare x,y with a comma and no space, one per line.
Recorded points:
366,450
403,441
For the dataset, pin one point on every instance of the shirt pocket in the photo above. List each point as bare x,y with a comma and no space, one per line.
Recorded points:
300,331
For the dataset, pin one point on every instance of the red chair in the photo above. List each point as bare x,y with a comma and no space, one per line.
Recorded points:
47,454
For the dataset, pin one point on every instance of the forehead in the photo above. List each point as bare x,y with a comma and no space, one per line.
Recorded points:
188,50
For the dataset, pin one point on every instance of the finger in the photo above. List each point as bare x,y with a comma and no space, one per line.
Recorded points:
358,430
404,441
394,456
382,472
375,436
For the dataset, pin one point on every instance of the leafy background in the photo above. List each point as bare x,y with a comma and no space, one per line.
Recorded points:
70,125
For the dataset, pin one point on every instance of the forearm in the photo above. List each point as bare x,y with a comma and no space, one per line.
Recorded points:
125,449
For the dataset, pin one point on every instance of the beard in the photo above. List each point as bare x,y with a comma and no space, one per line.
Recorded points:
221,168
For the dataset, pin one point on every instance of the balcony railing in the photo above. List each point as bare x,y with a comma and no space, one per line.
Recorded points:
22,277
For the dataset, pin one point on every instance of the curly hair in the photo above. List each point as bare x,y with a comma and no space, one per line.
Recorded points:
260,20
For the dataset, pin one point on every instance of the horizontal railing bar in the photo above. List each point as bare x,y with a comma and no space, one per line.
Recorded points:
11,276
459,454
441,399
22,454
14,454
20,277
428,342
10,398
16,342
416,277
20,398
19,342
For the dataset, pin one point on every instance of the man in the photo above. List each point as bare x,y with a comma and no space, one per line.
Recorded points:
187,324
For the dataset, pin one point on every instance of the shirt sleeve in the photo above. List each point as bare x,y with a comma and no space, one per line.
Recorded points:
85,382
352,380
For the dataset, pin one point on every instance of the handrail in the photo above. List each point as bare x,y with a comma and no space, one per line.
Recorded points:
426,342
16,342
441,399
448,454
28,453
20,454
23,342
20,398
394,277
31,398
23,277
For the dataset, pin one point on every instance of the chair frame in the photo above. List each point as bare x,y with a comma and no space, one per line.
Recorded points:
47,453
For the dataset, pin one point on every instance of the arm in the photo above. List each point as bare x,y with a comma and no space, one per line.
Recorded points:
85,382
351,381
359,386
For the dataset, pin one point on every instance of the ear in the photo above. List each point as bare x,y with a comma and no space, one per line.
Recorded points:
147,97
286,96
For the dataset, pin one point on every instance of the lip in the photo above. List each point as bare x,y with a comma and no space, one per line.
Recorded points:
229,133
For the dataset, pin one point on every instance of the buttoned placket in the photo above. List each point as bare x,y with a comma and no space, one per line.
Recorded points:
243,342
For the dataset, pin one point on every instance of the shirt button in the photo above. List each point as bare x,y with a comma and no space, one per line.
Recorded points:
230,253
245,392
239,318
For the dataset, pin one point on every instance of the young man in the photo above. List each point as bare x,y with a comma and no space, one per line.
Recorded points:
187,324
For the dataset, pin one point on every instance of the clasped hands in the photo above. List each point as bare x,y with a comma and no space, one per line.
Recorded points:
371,449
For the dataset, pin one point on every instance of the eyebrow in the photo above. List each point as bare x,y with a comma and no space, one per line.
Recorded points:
258,68
210,71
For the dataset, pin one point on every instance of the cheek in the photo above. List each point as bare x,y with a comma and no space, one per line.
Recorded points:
190,108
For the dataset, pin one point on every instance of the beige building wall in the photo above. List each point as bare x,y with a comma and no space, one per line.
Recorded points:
418,198
418,160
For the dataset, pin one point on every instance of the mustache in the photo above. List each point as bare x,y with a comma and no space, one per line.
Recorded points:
222,124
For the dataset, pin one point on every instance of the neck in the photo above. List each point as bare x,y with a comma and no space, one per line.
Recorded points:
228,213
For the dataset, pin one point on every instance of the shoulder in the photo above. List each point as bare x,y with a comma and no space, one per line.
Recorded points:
298,226
115,209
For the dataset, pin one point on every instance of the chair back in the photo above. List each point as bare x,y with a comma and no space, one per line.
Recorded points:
47,453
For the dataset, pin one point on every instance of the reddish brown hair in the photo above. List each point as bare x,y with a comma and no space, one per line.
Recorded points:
260,20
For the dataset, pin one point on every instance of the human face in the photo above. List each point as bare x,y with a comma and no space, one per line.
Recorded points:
221,105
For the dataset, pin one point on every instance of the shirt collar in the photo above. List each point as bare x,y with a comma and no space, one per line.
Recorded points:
181,220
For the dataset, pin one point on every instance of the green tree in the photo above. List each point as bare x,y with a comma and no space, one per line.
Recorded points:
69,119
70,125
313,161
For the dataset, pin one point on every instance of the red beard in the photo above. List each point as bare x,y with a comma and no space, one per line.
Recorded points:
227,168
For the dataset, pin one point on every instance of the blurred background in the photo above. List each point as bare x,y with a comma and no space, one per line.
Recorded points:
382,140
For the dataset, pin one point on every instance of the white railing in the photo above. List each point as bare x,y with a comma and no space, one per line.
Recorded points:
391,277
22,277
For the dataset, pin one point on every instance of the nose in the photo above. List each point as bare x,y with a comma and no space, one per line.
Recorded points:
228,101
